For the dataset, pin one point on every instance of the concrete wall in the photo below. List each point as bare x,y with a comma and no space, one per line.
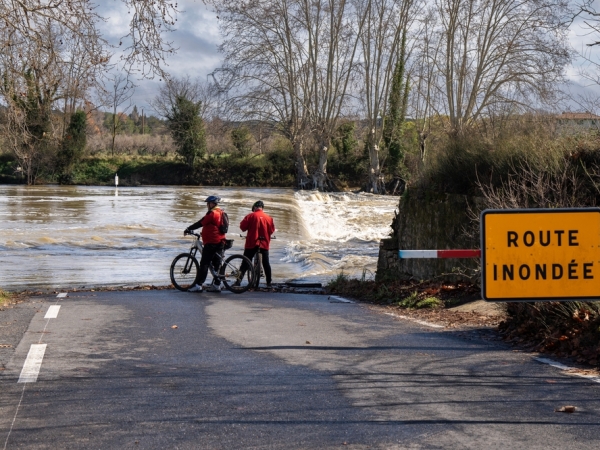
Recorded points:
429,221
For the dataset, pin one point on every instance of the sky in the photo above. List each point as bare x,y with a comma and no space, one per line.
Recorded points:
197,39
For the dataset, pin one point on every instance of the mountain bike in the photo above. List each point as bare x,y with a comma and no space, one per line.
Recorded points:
185,268
257,266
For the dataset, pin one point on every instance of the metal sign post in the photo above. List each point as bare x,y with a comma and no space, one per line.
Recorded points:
540,254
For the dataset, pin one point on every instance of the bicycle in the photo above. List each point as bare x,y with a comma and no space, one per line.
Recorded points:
257,266
185,268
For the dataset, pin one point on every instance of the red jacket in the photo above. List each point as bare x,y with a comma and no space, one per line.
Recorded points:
258,224
210,227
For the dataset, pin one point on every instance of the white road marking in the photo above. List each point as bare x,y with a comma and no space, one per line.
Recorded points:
33,363
340,299
62,295
569,370
552,363
420,322
52,312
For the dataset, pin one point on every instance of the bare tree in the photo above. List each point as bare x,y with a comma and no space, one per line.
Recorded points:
266,68
589,15
424,93
588,11
82,73
380,50
52,51
195,90
292,61
144,45
496,51
117,94
32,74
332,41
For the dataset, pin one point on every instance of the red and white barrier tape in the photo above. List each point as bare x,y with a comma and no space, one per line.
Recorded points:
409,254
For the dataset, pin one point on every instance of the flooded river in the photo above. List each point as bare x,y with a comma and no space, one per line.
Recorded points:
78,236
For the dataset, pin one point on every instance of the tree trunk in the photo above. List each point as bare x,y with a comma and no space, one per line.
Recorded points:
301,169
375,172
114,133
422,145
320,175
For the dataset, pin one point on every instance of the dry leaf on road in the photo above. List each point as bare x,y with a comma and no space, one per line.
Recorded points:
566,409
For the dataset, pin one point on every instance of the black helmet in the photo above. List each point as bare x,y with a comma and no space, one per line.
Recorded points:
213,199
258,204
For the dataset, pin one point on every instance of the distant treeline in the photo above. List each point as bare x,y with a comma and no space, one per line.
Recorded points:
254,153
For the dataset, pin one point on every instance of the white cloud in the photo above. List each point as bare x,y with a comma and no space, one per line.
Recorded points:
196,38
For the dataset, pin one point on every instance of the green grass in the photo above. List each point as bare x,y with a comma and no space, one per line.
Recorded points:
414,301
4,297
389,293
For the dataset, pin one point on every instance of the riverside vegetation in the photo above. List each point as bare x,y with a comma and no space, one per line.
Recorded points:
534,163
224,154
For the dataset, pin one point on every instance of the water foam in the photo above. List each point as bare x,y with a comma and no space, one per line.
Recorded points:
342,217
343,231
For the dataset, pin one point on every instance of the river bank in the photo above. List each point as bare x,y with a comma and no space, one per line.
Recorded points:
273,169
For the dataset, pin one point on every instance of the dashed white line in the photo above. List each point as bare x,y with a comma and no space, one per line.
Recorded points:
33,363
52,312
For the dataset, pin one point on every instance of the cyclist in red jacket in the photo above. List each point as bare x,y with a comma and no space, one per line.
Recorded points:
213,241
259,226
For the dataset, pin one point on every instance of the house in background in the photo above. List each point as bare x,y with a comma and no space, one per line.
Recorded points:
577,122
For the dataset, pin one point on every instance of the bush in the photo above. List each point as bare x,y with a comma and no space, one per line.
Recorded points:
565,329
461,164
272,169
405,294
134,144
4,297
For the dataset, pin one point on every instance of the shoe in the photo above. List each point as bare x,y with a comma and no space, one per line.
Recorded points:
195,288
212,287
237,283
269,286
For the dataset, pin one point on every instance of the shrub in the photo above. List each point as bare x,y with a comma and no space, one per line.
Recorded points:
566,329
187,129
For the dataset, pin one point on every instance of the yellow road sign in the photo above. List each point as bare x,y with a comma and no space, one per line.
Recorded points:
540,254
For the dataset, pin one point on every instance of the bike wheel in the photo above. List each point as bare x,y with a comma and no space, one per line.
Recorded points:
232,276
257,269
184,270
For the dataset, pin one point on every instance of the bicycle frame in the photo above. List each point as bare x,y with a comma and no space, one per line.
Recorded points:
186,265
198,246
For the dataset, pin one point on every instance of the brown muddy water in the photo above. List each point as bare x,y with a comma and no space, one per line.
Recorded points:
81,236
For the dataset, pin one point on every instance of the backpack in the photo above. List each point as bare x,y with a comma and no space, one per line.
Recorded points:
224,227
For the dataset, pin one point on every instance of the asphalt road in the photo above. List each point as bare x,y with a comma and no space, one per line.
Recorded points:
171,370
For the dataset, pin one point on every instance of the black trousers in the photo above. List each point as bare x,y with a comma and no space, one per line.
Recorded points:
209,255
250,252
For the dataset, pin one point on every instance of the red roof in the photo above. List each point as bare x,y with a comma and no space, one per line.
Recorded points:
578,116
